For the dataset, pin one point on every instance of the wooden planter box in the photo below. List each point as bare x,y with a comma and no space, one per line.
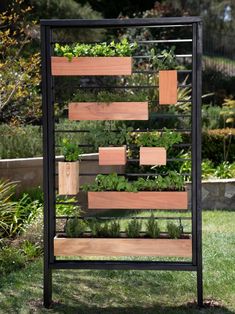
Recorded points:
152,156
108,111
68,176
168,87
122,247
139,200
91,66
109,156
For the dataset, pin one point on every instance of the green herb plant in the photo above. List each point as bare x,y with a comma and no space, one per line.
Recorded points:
174,231
120,49
75,227
152,228
134,228
163,59
70,150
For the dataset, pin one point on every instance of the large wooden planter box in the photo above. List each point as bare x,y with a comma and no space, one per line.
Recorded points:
91,66
122,247
139,200
109,156
108,111
68,175
152,156
168,87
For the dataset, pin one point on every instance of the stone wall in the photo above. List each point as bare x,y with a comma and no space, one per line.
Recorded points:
216,194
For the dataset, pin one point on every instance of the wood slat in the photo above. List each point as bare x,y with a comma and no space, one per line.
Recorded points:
108,111
68,176
152,156
168,87
91,66
122,247
131,200
109,156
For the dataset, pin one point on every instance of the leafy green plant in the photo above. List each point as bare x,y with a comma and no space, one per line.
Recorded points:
163,59
133,228
103,230
70,150
174,231
114,229
152,228
75,227
113,182
11,259
121,49
31,250
166,138
67,208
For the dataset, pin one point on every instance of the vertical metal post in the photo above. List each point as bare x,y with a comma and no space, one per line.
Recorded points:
48,164
198,173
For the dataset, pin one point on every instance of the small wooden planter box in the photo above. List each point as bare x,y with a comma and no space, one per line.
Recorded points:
108,111
109,156
122,247
91,66
68,176
152,156
168,87
139,200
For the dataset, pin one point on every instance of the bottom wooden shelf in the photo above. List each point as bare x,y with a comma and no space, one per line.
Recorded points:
122,247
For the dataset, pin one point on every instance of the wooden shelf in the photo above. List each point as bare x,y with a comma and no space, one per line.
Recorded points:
108,111
61,66
122,247
139,200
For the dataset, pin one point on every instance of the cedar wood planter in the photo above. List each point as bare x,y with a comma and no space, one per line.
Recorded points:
109,156
168,87
138,200
68,176
91,66
122,247
108,111
152,156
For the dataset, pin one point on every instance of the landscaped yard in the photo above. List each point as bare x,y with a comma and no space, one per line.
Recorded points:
133,291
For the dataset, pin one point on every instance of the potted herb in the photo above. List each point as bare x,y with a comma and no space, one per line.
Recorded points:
98,59
93,238
116,192
68,170
165,62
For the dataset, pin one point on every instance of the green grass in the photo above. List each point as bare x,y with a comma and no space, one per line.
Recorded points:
136,292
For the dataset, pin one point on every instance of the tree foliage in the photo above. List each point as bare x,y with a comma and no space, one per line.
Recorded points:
20,73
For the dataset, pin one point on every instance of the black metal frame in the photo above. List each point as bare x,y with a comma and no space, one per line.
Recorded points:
50,262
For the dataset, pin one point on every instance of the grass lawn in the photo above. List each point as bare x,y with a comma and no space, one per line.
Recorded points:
136,292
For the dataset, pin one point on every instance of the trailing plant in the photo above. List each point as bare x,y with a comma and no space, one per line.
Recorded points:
75,227
70,150
134,228
113,182
152,228
121,49
174,231
166,138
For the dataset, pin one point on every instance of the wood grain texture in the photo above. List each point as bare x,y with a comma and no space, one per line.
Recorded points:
122,247
108,111
152,156
168,87
91,66
109,156
144,200
68,176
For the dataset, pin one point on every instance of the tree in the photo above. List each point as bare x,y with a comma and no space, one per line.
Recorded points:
20,73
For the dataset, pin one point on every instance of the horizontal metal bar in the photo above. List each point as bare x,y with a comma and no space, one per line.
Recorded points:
162,21
177,56
124,265
128,86
154,71
165,41
124,218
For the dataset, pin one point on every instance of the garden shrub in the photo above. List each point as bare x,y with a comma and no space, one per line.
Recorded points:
11,259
